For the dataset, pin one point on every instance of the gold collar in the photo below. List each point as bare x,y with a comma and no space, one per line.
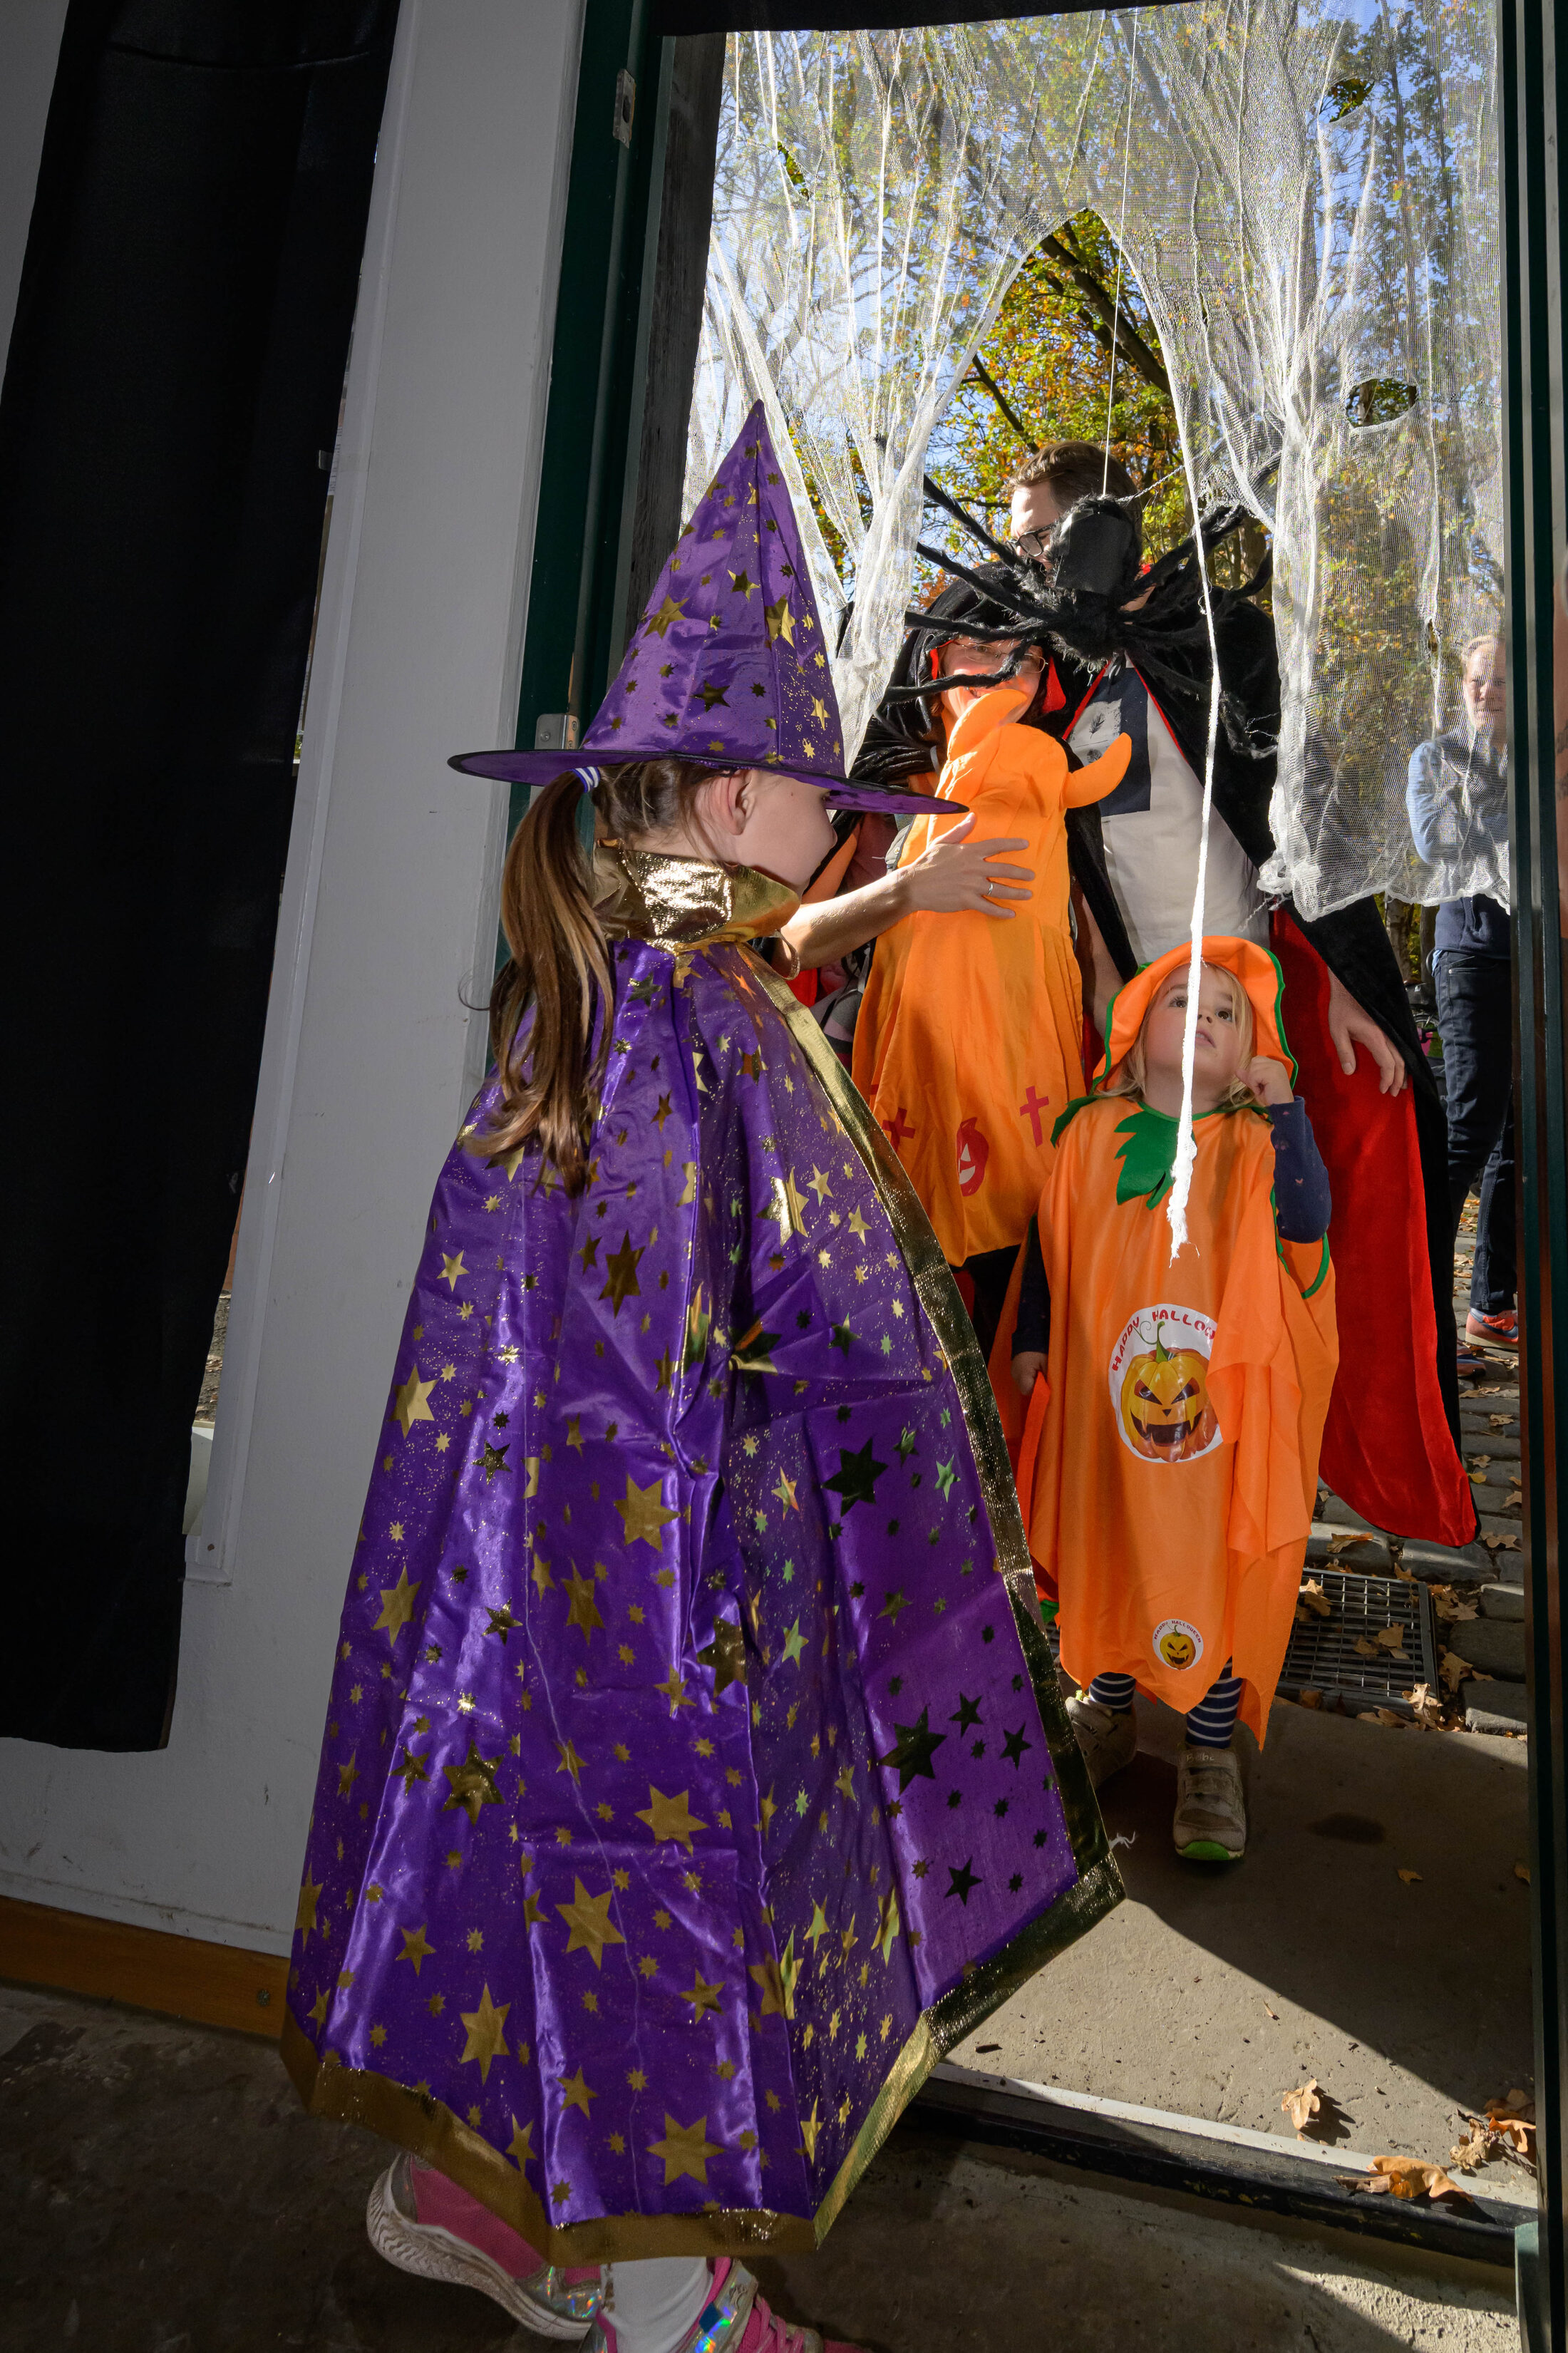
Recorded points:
685,903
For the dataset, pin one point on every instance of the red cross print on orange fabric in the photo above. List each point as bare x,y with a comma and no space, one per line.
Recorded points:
898,1128
1031,1108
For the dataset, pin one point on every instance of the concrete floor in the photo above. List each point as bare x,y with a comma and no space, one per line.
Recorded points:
160,2191
1407,2001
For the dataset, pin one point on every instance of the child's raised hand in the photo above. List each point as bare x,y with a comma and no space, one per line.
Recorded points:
1269,1079
1024,1368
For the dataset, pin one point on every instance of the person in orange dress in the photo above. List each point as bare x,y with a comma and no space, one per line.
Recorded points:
970,1039
1177,1404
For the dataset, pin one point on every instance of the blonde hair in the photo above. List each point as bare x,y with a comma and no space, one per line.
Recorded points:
1486,638
560,962
1129,1076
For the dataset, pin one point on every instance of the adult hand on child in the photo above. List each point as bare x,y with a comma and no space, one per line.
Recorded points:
958,875
1269,1079
1026,1367
1348,1026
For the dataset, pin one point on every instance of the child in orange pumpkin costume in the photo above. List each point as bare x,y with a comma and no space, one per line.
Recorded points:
970,1040
1172,1460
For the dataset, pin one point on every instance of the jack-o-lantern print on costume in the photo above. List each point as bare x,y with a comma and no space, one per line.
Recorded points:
974,1152
1159,1385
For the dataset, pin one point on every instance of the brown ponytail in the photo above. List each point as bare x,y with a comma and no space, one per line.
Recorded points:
560,961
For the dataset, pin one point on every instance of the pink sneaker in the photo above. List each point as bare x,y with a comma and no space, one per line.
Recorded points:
735,2319
426,2225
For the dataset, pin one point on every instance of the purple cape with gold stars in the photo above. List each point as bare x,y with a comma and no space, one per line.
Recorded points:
695,1773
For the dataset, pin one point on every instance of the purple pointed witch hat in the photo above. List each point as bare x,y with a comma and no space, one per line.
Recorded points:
728,667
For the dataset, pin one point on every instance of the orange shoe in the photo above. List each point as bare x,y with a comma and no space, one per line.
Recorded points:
1495,1331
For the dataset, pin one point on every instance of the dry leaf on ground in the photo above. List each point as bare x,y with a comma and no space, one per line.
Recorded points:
1408,1876
1310,1699
1482,1462
1452,1670
1496,1542
1389,1638
1474,2149
1449,1606
1301,2105
1314,1598
1384,1715
1522,1871
1498,1420
1424,1704
1364,1649
1343,1541
1411,2177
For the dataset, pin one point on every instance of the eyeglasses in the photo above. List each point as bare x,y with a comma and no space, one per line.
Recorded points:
1034,543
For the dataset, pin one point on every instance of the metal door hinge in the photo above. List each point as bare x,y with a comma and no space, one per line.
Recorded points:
625,106
555,730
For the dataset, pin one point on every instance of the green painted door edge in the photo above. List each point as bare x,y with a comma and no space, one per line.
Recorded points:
593,393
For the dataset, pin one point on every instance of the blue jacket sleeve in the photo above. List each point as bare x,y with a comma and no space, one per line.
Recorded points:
1301,1180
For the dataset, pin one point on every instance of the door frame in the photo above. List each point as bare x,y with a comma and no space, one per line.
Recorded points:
586,555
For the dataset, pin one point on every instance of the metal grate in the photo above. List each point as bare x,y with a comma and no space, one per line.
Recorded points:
1322,1655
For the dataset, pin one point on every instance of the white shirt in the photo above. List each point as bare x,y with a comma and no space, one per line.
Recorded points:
1151,825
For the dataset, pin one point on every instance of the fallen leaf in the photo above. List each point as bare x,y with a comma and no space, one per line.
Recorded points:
1474,2149
1482,1462
1495,1542
1310,1699
1522,1871
1301,2105
1343,1541
1424,1704
1498,1420
1389,1638
1364,1649
1314,1598
1454,1670
1408,1876
1411,2177
1384,1715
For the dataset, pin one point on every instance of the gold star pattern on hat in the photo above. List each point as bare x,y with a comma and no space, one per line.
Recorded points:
409,1405
786,1207
726,1655
588,1918
780,622
643,1515
809,2127
397,1604
414,1947
473,1783
519,2148
671,1818
486,2041
686,2149
582,1610
452,1269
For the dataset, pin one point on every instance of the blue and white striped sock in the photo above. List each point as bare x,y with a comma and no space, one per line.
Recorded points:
1113,1691
1212,1722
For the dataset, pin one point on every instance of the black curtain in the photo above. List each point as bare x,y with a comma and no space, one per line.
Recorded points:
169,410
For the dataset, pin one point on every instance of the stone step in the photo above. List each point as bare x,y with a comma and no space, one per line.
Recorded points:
1493,1644
1494,1707
1504,1601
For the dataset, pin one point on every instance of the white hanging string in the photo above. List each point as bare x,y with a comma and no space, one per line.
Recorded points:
1186,1140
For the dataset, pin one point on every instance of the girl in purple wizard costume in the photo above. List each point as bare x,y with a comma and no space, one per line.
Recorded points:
695,1774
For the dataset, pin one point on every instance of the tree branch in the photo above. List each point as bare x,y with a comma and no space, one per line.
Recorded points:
1133,348
977,369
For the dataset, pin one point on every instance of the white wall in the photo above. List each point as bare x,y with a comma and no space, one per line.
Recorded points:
388,906
30,34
